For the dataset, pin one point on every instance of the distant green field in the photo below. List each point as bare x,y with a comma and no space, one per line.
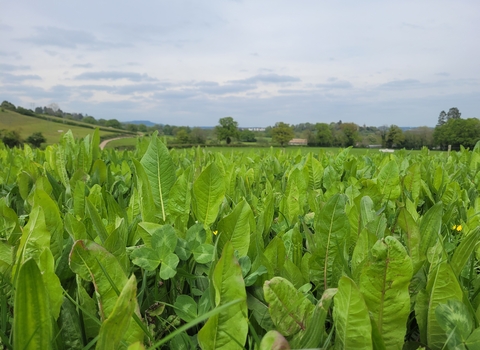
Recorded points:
52,131
123,142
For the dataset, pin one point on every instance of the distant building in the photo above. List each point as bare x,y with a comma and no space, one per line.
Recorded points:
298,142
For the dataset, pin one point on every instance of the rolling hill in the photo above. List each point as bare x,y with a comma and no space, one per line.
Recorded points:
52,130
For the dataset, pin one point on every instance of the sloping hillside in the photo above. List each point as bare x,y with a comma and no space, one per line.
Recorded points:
52,131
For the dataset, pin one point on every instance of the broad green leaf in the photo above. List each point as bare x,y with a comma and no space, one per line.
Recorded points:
32,322
331,232
118,322
236,228
90,321
179,201
384,284
208,192
98,225
274,340
186,308
315,335
204,253
168,269
455,320
430,226
350,317
442,285
164,240
146,258
388,180
473,341
160,171
412,231
228,329
147,204
289,309
412,181
53,221
70,328
93,263
464,250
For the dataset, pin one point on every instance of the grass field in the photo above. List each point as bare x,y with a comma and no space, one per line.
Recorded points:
52,131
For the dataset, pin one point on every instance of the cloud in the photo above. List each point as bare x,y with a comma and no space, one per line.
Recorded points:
12,67
69,38
114,75
84,65
12,78
267,79
400,84
333,83
443,74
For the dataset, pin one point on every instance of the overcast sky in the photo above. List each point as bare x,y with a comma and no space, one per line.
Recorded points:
192,62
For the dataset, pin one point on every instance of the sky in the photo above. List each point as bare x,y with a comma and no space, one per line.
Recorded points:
192,62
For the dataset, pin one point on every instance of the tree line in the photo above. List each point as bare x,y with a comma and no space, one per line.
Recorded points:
451,130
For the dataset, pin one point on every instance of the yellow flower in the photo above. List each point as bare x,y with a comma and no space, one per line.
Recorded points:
215,233
458,228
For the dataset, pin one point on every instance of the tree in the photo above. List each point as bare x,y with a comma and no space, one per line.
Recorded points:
395,137
457,132
8,105
113,123
282,133
442,118
12,139
36,139
350,131
182,136
198,136
453,113
89,120
227,129
383,130
246,135
324,135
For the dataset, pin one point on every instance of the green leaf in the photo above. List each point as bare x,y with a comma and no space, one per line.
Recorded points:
208,192
186,308
118,322
147,204
289,309
455,320
410,227
204,253
98,225
164,241
331,232
32,323
179,201
464,250
93,263
384,284
274,340
236,228
412,181
160,171
388,180
350,316
228,329
442,285
473,341
168,269
70,328
146,258
430,226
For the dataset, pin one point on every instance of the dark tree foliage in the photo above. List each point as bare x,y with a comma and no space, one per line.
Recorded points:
227,130
282,133
12,139
36,139
458,132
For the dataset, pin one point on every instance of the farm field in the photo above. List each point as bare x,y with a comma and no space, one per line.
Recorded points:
238,249
52,131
